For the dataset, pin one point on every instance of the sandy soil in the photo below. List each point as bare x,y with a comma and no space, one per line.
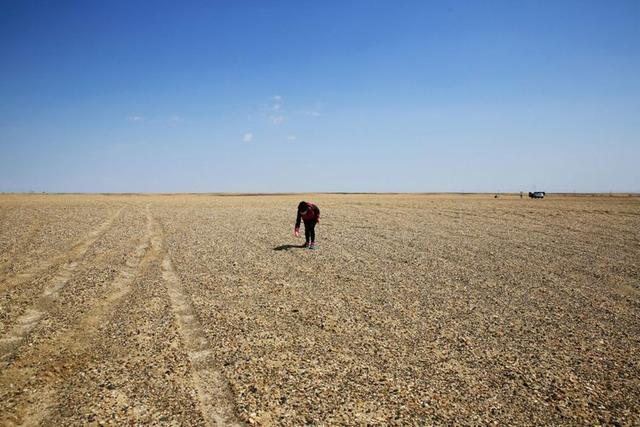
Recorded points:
415,309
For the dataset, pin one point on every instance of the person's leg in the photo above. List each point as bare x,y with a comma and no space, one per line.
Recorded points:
307,232
312,230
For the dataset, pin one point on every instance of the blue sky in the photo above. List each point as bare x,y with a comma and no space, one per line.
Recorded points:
319,96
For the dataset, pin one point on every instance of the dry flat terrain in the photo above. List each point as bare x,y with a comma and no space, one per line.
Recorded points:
415,309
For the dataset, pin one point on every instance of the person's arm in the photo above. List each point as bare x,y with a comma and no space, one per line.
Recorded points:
296,230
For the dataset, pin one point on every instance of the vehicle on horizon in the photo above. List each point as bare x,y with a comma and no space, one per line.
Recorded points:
537,194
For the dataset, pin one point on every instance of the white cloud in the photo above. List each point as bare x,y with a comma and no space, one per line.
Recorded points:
278,120
247,137
175,120
275,111
277,103
171,120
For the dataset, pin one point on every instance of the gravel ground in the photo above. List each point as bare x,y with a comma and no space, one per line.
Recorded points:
415,309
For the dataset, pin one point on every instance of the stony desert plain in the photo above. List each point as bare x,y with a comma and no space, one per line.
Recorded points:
415,310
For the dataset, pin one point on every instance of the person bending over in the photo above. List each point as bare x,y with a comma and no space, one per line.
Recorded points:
310,214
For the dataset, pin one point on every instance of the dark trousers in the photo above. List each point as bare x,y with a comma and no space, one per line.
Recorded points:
310,230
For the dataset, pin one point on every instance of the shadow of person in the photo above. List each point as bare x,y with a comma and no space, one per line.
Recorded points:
287,247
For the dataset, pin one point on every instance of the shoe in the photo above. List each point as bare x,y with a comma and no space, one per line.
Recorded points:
312,245
306,244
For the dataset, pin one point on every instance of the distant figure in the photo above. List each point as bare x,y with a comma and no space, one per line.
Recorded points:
521,194
310,214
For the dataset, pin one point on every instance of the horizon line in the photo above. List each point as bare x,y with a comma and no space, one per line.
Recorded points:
234,193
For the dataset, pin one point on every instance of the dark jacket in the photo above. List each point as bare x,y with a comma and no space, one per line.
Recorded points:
313,213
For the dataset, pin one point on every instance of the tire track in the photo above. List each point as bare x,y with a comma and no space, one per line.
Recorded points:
215,398
70,258
32,316
67,353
